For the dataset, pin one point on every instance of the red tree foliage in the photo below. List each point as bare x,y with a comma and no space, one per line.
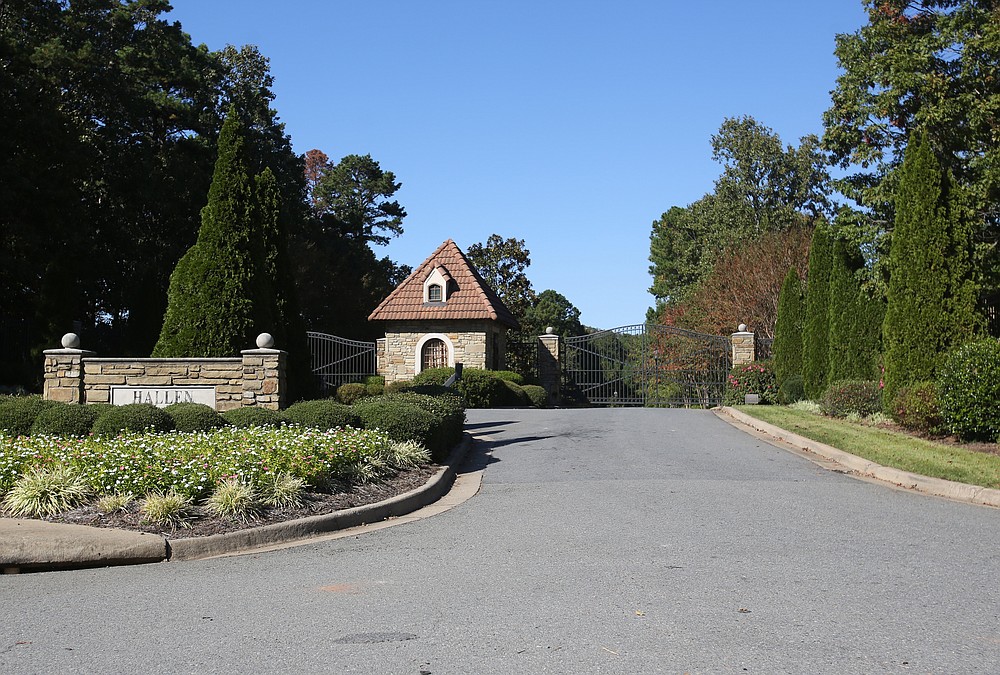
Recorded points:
744,286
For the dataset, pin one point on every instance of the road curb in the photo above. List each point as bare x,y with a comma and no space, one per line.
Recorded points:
305,528
972,494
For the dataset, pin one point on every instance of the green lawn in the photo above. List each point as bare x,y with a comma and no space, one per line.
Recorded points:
886,447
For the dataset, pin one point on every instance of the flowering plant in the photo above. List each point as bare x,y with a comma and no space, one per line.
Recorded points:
751,378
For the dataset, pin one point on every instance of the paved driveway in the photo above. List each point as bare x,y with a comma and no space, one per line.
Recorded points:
604,541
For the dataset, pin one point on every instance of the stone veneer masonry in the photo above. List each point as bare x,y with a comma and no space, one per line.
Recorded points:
258,377
476,344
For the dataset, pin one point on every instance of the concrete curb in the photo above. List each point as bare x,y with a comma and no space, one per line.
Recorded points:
36,545
972,494
305,528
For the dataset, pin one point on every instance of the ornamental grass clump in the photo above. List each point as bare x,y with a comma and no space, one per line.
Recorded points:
168,509
114,502
282,490
409,454
234,499
46,491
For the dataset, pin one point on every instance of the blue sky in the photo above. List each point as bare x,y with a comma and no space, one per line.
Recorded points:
571,125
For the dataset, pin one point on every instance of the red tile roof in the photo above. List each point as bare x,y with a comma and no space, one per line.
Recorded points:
469,297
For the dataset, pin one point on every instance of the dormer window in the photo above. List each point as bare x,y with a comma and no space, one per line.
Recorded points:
437,286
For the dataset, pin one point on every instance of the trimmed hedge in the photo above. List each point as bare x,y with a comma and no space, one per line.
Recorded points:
252,416
537,395
134,417
433,376
323,414
515,394
482,390
66,419
861,397
969,391
351,392
18,414
437,422
194,417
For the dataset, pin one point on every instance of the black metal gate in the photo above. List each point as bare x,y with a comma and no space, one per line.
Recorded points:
647,365
337,360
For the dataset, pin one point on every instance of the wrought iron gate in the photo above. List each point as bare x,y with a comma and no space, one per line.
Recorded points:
336,360
647,365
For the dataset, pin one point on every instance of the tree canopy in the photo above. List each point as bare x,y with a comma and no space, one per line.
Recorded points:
502,264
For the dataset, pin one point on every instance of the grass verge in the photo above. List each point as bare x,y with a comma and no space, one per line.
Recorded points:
886,447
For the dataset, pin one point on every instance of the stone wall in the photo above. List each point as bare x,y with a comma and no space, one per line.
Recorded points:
257,377
475,344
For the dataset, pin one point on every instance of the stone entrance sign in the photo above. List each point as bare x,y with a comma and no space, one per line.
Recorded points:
163,396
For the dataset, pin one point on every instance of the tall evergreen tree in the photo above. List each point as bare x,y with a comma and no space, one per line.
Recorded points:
219,296
788,328
816,336
855,319
932,288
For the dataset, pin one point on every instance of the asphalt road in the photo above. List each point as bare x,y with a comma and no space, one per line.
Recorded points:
602,541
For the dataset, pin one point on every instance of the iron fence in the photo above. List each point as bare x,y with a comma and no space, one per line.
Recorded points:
337,360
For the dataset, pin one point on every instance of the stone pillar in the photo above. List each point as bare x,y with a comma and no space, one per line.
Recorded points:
381,363
265,375
549,368
64,371
743,346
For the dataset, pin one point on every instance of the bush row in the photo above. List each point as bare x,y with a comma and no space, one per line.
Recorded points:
435,421
478,388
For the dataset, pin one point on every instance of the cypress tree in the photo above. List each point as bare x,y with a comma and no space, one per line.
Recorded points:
788,328
855,319
816,334
217,302
277,283
932,287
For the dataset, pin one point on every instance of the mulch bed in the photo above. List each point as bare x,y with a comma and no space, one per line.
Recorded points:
344,496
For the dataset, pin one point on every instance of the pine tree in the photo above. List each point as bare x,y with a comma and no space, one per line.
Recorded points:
788,328
855,319
932,287
217,301
816,334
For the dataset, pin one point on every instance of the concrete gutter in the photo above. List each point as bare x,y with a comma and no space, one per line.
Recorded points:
852,464
28,545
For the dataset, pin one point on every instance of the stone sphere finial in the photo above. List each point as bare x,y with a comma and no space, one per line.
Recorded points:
265,341
71,341
742,328
549,330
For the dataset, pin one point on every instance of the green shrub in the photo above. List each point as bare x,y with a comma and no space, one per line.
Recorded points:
374,385
433,376
751,378
189,417
400,419
252,416
791,390
816,322
481,389
861,397
916,408
325,414
969,391
396,387
65,419
351,392
514,395
132,417
508,376
392,413
18,414
537,395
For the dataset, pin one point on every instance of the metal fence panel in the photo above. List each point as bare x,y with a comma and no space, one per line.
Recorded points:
337,360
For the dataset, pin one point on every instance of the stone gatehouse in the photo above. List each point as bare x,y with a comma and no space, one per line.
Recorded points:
442,314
